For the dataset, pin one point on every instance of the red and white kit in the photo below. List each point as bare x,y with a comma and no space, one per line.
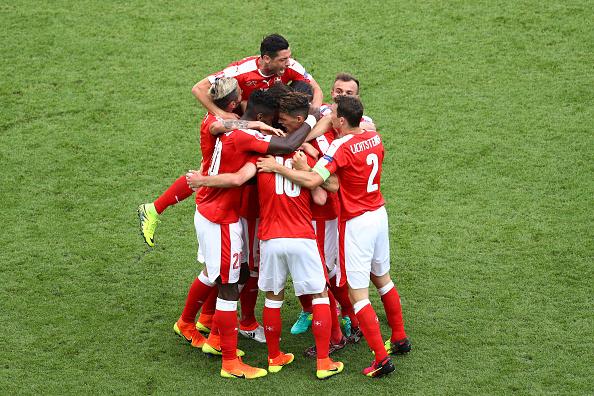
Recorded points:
250,78
287,238
217,209
325,217
364,246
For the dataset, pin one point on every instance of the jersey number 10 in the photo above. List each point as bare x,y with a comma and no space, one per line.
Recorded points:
282,185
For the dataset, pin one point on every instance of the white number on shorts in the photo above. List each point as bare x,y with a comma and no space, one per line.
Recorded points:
285,186
372,160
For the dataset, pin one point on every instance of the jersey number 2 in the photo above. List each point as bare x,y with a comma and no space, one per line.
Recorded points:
372,160
282,185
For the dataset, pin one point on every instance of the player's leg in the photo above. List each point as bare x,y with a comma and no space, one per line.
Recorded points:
149,213
225,317
356,247
272,278
204,322
380,276
198,292
341,294
248,325
309,275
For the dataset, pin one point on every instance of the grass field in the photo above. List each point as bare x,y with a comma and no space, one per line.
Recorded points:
486,109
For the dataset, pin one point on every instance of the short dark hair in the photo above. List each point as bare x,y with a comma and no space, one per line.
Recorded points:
260,101
304,87
273,43
346,77
294,104
277,91
350,108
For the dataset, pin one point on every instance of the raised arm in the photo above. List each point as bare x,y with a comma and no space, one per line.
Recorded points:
224,180
320,128
200,91
318,95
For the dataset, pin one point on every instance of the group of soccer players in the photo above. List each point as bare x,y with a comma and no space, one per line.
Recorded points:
287,185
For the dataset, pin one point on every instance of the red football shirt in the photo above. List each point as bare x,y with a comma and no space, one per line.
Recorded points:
207,145
232,150
285,208
330,209
357,160
250,78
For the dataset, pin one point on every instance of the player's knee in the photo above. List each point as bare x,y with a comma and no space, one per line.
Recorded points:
228,292
244,273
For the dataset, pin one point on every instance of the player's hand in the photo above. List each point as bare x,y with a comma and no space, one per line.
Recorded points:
227,116
309,150
266,164
270,130
300,161
194,179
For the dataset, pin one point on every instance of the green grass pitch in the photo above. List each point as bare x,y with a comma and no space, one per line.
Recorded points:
486,109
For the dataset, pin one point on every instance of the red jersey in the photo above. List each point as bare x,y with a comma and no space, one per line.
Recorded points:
357,160
285,207
207,145
232,150
250,207
330,209
250,78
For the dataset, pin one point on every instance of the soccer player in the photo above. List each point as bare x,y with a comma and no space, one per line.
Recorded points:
219,229
225,93
356,157
259,116
274,65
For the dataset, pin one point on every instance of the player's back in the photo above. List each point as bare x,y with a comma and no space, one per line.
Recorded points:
359,166
285,208
222,205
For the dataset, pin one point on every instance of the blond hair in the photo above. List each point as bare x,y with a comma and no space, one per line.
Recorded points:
222,87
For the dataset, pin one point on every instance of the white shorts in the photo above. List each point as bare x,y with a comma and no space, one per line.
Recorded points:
220,245
298,256
327,237
251,244
364,248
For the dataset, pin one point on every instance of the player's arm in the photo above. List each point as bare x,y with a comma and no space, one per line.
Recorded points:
319,196
307,179
224,180
300,163
320,128
290,143
200,91
318,95
224,126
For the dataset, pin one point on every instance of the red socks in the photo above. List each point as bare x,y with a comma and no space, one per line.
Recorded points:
369,325
341,293
271,318
393,309
321,325
305,301
198,293
226,321
177,192
248,298
208,309
336,332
